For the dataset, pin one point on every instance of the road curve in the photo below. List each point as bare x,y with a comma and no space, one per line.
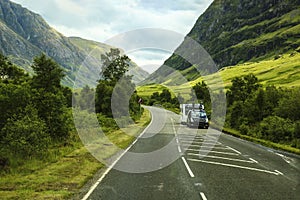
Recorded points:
191,168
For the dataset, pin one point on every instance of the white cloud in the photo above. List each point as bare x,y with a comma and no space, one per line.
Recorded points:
102,19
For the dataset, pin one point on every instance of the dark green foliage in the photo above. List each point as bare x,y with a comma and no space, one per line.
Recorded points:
49,97
116,88
114,65
271,114
9,72
85,99
13,100
276,129
202,93
25,135
48,74
242,88
165,99
289,105
34,111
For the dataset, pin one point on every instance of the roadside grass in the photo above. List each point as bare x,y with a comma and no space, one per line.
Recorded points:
67,171
261,141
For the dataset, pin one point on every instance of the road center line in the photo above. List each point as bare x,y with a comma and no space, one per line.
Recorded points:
179,149
188,167
203,196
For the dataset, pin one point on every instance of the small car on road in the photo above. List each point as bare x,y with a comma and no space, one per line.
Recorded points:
197,118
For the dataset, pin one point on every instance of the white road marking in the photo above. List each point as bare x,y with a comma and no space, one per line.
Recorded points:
187,140
223,158
253,160
86,196
217,152
286,159
179,149
188,167
278,172
234,150
203,196
204,146
236,166
206,143
177,141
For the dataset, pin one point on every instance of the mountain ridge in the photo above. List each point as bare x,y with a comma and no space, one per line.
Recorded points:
238,31
25,35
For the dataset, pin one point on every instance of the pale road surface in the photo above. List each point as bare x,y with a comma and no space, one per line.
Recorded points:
232,169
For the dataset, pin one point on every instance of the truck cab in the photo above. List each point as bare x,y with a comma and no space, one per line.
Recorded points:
185,108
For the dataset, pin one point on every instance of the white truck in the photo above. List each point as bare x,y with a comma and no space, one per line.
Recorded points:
185,108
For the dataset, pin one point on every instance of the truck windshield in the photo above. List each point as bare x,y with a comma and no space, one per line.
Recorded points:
198,114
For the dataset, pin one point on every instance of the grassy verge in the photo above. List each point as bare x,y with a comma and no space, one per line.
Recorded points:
261,141
66,174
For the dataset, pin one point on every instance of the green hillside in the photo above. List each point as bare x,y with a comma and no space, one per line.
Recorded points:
234,32
280,72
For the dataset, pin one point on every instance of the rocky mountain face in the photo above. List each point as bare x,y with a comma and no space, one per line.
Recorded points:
24,35
238,31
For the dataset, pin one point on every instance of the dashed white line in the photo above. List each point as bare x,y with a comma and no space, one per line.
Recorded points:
234,150
223,158
203,196
235,166
188,167
179,149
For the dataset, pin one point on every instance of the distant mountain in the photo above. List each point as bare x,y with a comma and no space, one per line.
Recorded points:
24,35
238,31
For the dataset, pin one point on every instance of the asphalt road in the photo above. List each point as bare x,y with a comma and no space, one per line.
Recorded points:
171,161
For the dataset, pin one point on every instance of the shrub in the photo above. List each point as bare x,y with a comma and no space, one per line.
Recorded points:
26,136
276,129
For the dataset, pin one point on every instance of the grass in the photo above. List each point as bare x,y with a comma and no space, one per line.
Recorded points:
282,72
66,174
261,141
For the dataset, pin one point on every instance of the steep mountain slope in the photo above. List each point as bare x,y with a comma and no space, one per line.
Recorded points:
238,31
24,35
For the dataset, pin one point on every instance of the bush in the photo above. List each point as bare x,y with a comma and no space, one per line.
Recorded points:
276,129
25,136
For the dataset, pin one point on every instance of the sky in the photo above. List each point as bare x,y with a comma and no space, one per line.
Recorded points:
101,20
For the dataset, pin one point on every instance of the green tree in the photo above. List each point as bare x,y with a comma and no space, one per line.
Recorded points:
289,105
10,72
202,92
50,97
114,66
48,74
242,88
114,79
